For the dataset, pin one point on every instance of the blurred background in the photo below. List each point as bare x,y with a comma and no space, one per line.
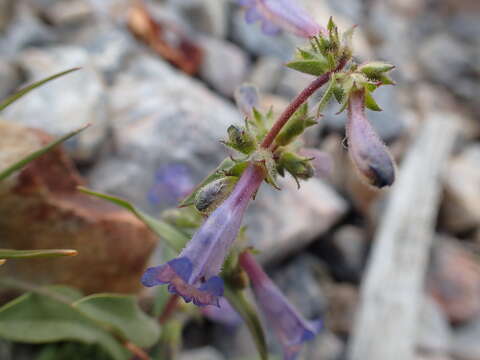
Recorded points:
157,84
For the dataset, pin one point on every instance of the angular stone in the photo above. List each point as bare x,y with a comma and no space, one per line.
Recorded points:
41,208
433,332
67,103
454,281
461,210
224,65
266,73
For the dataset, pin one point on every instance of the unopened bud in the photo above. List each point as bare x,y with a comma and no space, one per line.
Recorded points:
211,195
240,139
375,69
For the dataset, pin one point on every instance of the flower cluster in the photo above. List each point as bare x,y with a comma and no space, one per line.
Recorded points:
264,149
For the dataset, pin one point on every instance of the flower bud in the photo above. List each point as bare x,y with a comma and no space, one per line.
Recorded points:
240,139
295,126
374,69
213,194
368,153
298,167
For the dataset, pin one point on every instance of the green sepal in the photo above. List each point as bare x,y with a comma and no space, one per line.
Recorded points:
370,102
295,126
213,194
299,167
317,66
240,139
374,69
265,159
327,95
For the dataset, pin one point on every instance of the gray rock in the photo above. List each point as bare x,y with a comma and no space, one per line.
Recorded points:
465,25
300,281
462,180
266,73
66,103
25,30
326,346
465,344
67,12
207,16
292,83
433,331
224,65
351,242
5,13
205,353
10,78
353,9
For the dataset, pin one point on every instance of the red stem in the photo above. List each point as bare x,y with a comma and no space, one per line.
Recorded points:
296,103
169,309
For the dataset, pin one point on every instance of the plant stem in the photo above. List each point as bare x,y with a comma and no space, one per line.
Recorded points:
169,309
296,103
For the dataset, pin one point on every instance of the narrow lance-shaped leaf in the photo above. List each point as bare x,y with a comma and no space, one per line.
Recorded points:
172,236
327,95
27,254
237,299
21,163
10,100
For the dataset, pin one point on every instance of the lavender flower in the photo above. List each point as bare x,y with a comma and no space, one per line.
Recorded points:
225,314
278,15
369,154
194,273
290,327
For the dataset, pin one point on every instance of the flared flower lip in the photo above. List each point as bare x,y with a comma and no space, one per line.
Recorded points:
194,273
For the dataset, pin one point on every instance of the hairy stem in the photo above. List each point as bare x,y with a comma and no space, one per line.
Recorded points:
296,103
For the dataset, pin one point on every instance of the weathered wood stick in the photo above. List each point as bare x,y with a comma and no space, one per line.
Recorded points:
391,293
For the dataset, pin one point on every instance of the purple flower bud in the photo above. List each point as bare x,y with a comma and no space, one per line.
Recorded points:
277,15
194,273
290,327
368,153
225,314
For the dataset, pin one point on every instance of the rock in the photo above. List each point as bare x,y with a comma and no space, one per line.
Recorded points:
66,103
224,65
422,356
41,208
25,29
157,123
10,78
461,210
70,12
301,281
352,9
205,353
465,344
292,83
266,74
325,346
464,25
207,16
351,242
454,281
343,301
433,331
5,13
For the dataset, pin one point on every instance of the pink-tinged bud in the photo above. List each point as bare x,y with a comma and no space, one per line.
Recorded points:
368,153
277,15
290,327
194,273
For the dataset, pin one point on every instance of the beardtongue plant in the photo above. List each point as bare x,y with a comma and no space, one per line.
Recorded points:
212,263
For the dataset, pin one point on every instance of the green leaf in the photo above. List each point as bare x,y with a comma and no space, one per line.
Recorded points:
21,163
214,175
38,319
122,314
370,102
327,95
317,66
237,299
10,100
172,236
27,254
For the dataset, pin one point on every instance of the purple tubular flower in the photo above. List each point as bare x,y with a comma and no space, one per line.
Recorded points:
194,273
368,153
290,327
225,314
277,15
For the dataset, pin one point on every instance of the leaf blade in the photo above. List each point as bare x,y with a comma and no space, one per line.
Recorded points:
28,254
